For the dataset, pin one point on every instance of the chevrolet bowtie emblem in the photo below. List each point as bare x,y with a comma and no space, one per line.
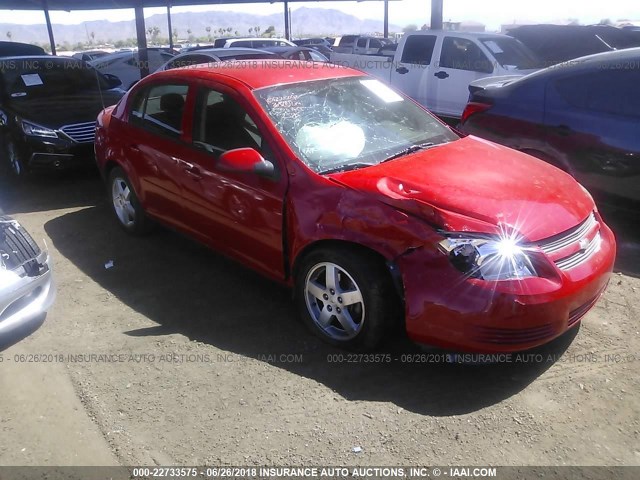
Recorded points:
584,243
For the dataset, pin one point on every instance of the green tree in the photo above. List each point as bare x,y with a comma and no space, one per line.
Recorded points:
270,31
410,28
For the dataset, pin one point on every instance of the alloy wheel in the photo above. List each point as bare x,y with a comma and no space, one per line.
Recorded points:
121,196
334,301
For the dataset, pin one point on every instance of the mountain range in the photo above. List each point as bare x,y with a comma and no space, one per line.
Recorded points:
304,22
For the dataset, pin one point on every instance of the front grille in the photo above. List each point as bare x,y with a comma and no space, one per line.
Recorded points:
567,238
579,257
571,248
17,248
81,132
513,335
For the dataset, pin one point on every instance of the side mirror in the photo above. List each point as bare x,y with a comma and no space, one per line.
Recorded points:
112,80
246,160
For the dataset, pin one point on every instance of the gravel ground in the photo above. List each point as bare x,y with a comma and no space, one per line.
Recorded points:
177,356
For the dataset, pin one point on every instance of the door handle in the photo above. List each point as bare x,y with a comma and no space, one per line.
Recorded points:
193,172
402,70
441,75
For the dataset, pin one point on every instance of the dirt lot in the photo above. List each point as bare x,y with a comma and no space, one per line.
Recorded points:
210,366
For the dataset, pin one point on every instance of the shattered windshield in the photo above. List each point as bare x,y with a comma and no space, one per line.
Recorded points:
344,123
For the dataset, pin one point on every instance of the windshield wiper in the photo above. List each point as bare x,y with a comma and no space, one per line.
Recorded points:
346,168
408,150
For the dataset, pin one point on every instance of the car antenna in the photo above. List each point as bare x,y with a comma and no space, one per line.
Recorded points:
99,88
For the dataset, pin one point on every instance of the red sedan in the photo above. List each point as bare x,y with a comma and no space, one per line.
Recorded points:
327,180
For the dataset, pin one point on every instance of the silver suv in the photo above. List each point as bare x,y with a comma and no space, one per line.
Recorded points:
27,289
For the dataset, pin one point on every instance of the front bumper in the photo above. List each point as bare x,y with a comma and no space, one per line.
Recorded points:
56,154
24,301
447,309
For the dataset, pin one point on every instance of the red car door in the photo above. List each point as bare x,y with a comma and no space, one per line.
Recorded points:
154,147
240,214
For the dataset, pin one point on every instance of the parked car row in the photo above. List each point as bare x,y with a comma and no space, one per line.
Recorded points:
360,44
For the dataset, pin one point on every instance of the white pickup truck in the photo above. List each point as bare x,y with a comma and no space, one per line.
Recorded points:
436,67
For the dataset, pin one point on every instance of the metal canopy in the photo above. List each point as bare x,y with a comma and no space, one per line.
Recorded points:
139,5
69,5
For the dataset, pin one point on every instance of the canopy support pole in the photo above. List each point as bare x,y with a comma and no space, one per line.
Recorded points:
143,57
52,41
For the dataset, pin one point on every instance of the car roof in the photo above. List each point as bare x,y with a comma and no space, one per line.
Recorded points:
18,48
257,74
459,34
268,39
287,48
224,52
47,58
600,61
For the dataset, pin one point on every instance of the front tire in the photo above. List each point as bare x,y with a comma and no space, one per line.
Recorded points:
126,206
14,160
345,297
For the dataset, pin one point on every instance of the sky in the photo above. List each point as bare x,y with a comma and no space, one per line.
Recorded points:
492,13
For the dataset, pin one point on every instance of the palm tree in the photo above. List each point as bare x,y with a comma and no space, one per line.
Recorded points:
208,30
9,35
250,30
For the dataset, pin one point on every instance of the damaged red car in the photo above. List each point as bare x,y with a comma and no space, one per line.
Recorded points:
371,209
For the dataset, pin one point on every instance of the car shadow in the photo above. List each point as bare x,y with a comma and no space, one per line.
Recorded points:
185,288
50,191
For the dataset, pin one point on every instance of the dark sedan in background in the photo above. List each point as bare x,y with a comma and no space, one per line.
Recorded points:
298,53
198,56
583,118
48,109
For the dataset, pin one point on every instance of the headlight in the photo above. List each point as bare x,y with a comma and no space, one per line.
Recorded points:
489,258
35,130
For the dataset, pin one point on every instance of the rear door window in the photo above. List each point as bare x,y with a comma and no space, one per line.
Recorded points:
160,109
608,91
418,49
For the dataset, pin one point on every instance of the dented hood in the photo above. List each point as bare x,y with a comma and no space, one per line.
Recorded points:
475,185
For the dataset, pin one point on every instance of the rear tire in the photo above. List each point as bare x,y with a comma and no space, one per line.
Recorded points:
345,296
125,204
